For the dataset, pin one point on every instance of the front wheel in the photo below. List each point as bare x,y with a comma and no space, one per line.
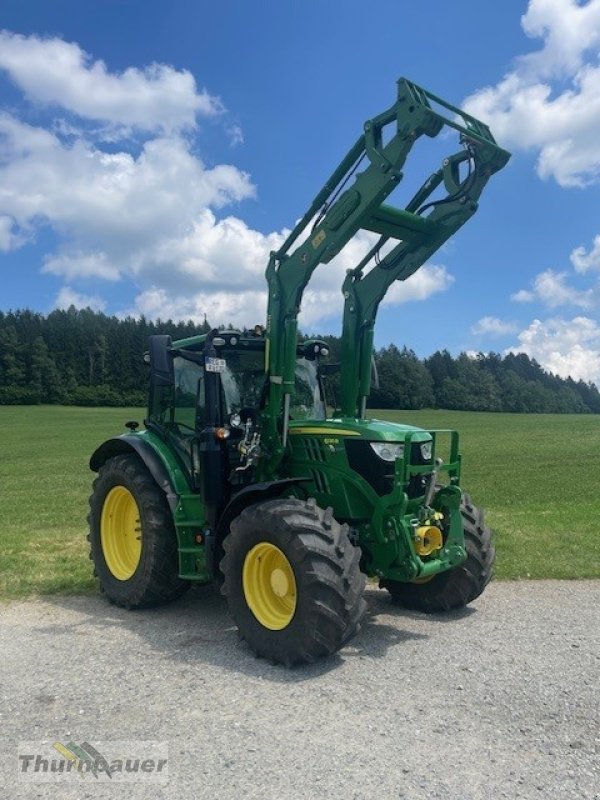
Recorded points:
132,537
459,586
292,581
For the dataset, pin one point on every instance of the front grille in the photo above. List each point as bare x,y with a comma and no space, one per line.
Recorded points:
315,449
380,474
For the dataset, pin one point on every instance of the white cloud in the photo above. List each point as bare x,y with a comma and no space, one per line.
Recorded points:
429,280
550,101
116,213
8,239
569,29
551,289
584,260
148,216
492,326
235,134
82,265
324,300
246,305
53,72
549,104
523,296
68,297
566,347
217,253
91,194
239,309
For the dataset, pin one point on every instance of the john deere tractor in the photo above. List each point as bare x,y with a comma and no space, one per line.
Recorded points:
240,474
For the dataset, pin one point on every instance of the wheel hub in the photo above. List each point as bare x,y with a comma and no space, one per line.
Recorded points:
121,533
269,586
279,582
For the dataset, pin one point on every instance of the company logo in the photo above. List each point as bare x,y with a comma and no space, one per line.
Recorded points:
118,761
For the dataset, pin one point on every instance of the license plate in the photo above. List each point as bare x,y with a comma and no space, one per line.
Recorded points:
214,365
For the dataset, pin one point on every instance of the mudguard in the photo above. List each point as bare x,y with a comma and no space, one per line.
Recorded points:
256,492
135,444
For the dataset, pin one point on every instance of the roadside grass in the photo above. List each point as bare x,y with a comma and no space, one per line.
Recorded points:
537,476
45,482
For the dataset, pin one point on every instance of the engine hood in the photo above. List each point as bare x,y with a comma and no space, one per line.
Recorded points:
374,430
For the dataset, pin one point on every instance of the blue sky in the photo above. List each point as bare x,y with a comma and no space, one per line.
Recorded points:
152,155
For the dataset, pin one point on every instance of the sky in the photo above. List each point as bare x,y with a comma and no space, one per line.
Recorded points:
152,154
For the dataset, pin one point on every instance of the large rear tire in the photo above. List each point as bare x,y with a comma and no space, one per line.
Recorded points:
292,581
457,587
132,538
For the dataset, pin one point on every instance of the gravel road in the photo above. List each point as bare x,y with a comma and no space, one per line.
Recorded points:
498,701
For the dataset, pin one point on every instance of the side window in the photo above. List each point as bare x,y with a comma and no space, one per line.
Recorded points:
189,389
307,402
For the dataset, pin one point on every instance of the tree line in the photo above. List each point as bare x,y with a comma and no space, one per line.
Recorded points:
83,357
78,357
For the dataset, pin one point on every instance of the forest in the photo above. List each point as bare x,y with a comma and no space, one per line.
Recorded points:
84,357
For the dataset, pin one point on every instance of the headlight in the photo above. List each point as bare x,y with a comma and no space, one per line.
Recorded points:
427,451
388,451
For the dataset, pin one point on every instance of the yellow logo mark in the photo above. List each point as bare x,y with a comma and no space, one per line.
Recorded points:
318,239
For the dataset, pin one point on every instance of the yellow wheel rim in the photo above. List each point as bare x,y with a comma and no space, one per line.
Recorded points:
121,533
269,586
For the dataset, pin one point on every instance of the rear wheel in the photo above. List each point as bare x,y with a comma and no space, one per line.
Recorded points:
459,586
132,538
292,581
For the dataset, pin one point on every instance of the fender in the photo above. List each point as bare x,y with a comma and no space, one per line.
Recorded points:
130,443
256,492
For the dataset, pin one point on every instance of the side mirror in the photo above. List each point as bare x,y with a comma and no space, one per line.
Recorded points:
161,361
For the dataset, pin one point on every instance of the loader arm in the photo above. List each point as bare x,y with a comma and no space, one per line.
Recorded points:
339,211
364,291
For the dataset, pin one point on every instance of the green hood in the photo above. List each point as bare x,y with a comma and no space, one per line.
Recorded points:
371,429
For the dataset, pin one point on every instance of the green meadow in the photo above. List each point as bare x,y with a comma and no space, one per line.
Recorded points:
538,477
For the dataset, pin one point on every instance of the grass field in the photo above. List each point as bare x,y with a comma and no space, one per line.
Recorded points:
537,476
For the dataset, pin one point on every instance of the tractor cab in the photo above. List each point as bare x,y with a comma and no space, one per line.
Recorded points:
207,395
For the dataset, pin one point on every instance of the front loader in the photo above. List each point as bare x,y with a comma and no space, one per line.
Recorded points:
241,476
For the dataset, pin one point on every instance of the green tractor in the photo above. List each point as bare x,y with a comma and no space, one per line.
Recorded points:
241,475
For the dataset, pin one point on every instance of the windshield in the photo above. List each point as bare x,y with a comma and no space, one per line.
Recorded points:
243,382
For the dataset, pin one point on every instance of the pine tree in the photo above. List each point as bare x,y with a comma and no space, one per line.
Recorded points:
12,368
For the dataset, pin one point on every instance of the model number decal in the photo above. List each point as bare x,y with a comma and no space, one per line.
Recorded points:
318,239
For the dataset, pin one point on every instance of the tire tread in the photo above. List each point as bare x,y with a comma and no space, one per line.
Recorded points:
156,582
460,586
326,563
